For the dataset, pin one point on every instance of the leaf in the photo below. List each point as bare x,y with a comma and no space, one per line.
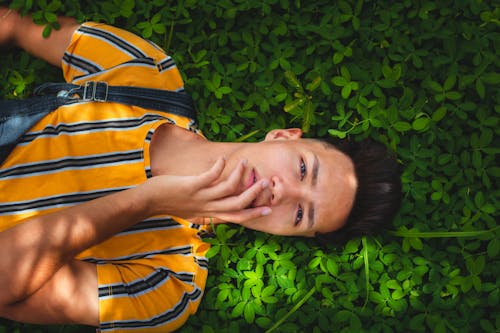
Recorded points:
342,316
398,294
270,299
393,284
376,297
345,73
159,28
346,91
249,313
223,295
332,267
213,251
225,90
156,18
338,57
314,262
493,248
439,114
480,88
416,243
418,322
337,133
453,95
476,282
263,322
46,31
435,86
396,72
387,71
238,309
420,124
292,79
436,196
314,84
352,246
402,126
450,82
339,81
294,104
50,17
491,78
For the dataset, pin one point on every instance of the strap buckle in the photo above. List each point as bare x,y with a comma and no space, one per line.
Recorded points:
95,91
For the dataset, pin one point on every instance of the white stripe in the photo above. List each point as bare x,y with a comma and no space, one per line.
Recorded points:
97,130
147,290
115,46
145,324
59,205
88,167
77,67
143,255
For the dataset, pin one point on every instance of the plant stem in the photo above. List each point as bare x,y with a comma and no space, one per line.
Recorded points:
294,309
442,234
367,268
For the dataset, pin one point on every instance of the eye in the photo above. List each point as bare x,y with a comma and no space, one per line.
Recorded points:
303,169
300,213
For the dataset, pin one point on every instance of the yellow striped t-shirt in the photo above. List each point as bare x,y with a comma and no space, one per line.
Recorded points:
151,276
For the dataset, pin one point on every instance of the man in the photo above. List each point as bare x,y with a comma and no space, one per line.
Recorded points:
96,200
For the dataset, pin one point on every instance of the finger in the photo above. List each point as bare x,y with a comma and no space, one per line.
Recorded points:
244,215
206,220
241,201
227,186
212,174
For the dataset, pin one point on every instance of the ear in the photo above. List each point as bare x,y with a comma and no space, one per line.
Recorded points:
284,134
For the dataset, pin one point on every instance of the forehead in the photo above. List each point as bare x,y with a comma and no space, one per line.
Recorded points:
336,186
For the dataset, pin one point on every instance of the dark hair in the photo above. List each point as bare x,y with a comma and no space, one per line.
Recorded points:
378,195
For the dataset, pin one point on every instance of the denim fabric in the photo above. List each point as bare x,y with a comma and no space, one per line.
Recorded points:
18,116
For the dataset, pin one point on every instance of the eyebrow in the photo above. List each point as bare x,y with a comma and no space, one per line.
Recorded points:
314,181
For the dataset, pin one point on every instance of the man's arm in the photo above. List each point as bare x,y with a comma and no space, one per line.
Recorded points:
21,31
42,283
69,296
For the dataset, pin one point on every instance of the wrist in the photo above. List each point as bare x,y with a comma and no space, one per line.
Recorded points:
146,198
8,22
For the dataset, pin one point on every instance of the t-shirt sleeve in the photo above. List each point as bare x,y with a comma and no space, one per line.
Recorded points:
143,298
151,277
99,52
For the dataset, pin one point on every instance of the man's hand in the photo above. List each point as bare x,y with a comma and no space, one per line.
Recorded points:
206,195
21,31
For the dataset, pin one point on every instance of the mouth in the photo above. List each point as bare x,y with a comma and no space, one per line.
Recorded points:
252,179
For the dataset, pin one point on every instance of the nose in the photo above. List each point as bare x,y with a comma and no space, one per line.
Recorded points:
282,190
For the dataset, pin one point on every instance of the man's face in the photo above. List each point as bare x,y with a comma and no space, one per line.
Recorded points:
312,186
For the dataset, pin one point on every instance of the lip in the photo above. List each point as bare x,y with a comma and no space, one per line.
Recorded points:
252,178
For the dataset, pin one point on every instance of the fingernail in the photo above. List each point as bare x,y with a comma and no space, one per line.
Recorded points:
244,162
266,211
265,183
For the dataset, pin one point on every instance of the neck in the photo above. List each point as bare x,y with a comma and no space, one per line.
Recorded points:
179,152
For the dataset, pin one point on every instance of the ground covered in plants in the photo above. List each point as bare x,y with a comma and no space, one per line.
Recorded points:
420,76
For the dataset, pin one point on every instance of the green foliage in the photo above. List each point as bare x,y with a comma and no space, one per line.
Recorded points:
420,76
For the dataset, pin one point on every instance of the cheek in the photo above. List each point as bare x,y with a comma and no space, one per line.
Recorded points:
275,223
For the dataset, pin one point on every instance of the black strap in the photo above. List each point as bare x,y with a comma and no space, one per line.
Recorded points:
18,116
178,103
